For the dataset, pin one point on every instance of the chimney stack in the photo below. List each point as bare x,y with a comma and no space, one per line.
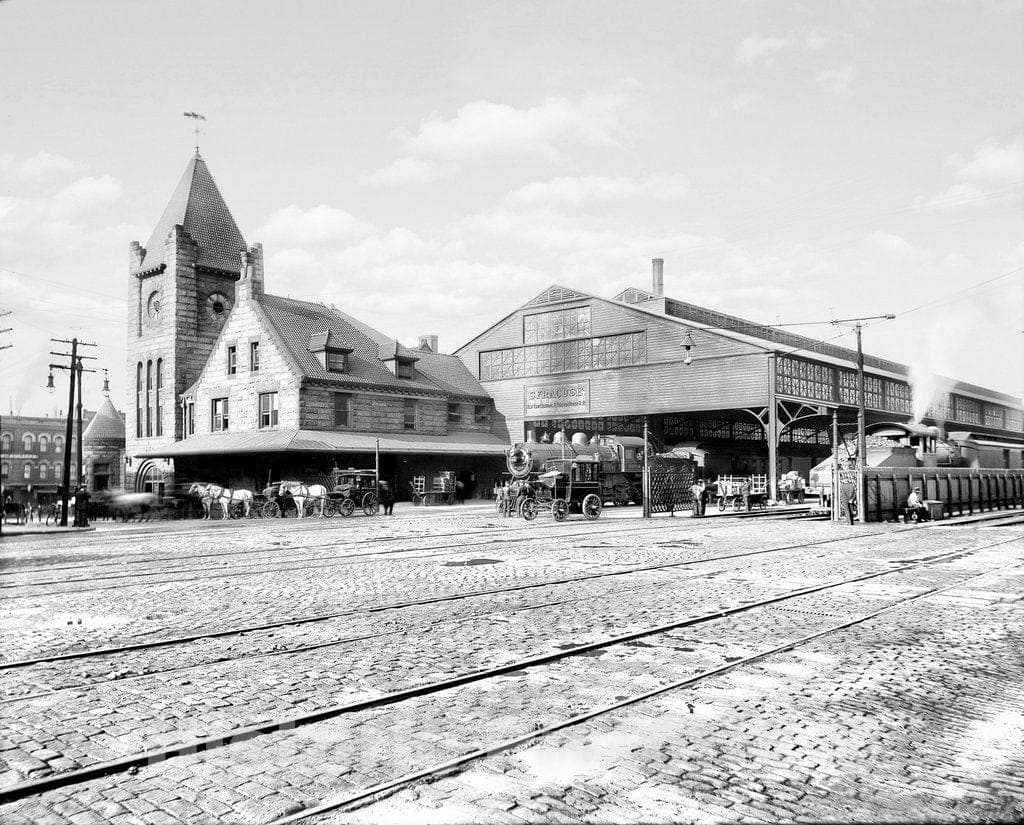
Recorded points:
430,341
659,276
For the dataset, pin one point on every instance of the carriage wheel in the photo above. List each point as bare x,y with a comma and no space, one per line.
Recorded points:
271,509
737,504
330,508
347,507
591,507
721,504
559,509
450,499
370,505
529,509
417,499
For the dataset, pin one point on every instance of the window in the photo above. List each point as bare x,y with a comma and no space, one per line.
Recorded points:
336,360
138,401
557,325
42,472
5,443
190,417
219,414
58,471
404,369
232,360
254,356
149,399
44,443
454,414
623,350
58,443
268,409
159,405
4,470
26,442
409,415
342,409
28,471
481,414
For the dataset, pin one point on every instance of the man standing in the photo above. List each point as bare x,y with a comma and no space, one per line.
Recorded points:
81,507
697,490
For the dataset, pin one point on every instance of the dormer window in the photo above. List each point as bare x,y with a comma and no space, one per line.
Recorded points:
404,368
330,351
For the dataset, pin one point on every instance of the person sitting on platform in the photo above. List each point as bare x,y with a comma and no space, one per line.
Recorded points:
916,510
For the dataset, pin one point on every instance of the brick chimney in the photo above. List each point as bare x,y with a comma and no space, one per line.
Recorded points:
658,279
430,341
251,282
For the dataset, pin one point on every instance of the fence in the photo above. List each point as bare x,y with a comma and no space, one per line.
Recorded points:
960,491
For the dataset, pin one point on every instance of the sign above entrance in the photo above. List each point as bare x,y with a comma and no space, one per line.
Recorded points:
566,399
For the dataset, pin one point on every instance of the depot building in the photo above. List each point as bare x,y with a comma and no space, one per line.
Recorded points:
740,397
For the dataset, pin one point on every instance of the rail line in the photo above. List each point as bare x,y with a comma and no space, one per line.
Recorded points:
436,771
414,603
243,734
296,563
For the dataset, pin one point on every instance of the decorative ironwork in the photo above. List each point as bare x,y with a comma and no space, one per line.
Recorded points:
804,379
966,410
559,325
624,350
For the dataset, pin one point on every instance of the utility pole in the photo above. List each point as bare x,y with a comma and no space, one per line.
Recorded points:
3,515
862,441
75,369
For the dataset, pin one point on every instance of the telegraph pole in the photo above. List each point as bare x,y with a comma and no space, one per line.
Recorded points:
75,369
3,516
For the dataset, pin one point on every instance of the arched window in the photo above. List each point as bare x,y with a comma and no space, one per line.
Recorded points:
159,408
5,442
58,471
44,443
28,472
5,468
27,441
58,443
42,472
138,401
149,398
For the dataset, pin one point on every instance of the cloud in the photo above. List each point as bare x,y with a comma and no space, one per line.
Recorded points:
894,246
836,80
39,167
569,191
293,226
993,176
483,131
84,195
759,47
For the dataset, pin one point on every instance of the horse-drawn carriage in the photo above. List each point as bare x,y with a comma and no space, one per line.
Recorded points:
561,485
343,492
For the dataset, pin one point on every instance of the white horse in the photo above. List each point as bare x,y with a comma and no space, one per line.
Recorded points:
225,496
300,492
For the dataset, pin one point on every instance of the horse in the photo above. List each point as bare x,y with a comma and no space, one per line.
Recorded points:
300,492
225,496
132,505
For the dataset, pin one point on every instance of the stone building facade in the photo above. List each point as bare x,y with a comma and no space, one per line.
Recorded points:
233,385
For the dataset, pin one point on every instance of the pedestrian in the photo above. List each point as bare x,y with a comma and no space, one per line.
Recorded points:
745,492
801,489
81,507
387,499
697,490
916,509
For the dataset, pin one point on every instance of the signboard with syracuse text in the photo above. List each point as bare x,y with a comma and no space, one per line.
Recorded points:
567,399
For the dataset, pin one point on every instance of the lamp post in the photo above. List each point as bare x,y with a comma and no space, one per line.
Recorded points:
862,439
76,369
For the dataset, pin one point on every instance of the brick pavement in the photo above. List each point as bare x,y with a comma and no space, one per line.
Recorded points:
292,767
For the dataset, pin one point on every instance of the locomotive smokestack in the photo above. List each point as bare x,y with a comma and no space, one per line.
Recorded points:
658,279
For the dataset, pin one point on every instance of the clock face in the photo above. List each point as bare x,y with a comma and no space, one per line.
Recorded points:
218,305
153,305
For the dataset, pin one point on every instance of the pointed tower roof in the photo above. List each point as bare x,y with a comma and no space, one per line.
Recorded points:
106,425
198,206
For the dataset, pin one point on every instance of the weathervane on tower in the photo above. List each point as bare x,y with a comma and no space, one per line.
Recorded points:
196,117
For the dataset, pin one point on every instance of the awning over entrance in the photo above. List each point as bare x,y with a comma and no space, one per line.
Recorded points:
317,441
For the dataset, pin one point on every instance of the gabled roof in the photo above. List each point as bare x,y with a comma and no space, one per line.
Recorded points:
297,323
106,425
197,205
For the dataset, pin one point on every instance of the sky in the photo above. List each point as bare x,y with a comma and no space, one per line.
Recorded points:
428,167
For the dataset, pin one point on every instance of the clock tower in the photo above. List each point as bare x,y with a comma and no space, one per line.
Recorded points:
181,290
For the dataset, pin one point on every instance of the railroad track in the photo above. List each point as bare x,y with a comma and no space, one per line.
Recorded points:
238,631
290,722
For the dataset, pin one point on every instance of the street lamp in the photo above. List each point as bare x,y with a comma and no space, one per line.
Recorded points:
862,440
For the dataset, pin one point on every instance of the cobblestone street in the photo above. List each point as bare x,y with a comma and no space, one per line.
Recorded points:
449,665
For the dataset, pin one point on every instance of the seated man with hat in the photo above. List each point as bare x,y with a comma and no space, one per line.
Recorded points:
916,509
